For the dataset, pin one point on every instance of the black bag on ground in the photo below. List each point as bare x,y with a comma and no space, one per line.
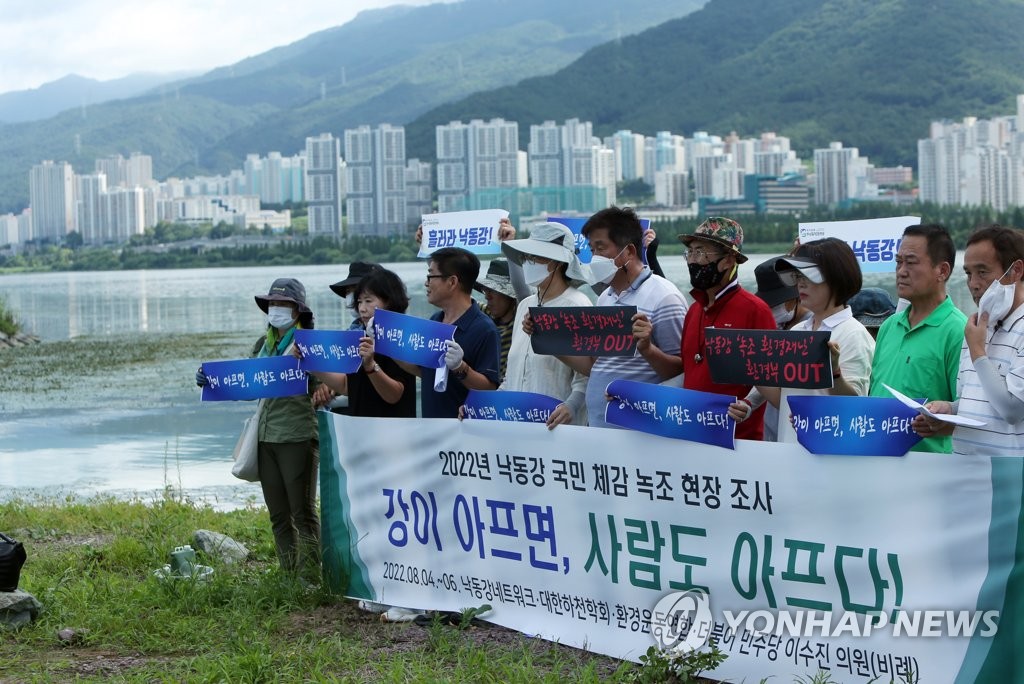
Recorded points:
12,557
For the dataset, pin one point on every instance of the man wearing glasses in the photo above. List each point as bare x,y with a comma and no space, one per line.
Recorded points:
713,256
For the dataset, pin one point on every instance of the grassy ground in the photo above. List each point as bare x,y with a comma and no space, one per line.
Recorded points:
91,565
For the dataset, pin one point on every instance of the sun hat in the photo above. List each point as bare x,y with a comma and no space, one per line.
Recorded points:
284,290
357,270
497,279
871,306
770,287
552,241
722,231
787,267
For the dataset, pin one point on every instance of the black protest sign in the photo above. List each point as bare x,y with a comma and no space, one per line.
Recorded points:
583,330
772,358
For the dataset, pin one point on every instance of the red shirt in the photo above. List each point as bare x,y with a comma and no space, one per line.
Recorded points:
733,308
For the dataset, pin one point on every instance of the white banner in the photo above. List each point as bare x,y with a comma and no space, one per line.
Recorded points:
575,534
476,231
874,241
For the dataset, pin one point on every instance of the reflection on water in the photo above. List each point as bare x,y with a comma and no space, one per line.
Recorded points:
182,443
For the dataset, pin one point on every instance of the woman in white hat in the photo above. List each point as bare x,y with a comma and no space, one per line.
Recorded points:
549,263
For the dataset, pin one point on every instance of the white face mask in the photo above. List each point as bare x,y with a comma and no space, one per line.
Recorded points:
279,316
603,268
902,305
534,274
782,314
350,299
997,300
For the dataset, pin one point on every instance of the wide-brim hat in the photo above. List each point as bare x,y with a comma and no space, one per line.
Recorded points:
497,279
284,290
770,287
871,306
357,270
808,268
551,241
722,231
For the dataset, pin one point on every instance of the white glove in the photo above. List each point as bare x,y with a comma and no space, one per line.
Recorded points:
453,357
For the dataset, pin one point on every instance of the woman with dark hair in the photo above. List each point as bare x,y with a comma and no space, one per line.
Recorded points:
826,275
380,388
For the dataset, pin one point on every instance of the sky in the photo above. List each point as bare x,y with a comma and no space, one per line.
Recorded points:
43,40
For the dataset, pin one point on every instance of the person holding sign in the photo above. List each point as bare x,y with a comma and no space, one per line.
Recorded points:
826,274
616,240
288,450
713,255
473,357
917,351
990,381
549,263
380,388
500,293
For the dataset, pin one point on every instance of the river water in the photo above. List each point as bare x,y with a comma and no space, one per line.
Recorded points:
154,433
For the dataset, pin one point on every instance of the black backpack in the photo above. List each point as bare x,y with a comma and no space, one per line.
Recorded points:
12,557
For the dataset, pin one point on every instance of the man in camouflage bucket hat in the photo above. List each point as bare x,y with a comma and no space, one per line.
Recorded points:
713,254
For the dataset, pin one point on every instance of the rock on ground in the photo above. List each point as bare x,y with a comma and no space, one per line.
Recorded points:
220,546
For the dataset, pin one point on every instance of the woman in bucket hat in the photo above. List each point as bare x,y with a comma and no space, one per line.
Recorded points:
288,450
549,263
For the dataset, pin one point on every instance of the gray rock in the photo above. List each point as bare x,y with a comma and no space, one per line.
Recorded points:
71,637
18,608
220,546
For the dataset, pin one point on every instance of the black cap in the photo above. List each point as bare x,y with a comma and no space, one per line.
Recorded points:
357,270
770,287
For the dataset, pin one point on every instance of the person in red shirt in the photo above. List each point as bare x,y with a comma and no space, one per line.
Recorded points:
713,256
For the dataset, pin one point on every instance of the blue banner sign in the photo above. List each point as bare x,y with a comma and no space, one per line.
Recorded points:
671,412
331,351
262,378
853,426
419,341
521,407
575,224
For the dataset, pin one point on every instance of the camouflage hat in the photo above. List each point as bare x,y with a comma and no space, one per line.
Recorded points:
497,279
720,230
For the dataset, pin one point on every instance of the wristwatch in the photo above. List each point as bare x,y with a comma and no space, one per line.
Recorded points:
462,371
372,370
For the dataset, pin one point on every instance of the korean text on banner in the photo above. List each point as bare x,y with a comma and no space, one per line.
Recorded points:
527,407
770,358
331,351
245,379
671,412
414,340
583,330
476,231
874,241
853,426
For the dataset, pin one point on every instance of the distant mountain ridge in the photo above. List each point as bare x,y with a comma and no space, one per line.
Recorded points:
73,91
872,75
386,65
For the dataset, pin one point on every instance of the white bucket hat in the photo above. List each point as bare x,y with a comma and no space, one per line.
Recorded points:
552,241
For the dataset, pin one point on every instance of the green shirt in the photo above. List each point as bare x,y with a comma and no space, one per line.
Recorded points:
921,362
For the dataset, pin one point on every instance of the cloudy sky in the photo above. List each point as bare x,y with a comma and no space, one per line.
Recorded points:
43,40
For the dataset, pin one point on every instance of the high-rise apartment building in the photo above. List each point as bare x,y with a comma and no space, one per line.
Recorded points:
52,197
474,157
375,172
419,191
90,215
841,175
324,184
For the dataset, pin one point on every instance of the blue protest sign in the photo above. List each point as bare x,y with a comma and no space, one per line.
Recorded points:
671,412
262,378
575,224
520,407
414,340
852,426
331,351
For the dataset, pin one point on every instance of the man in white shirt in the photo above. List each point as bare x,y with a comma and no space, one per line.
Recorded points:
990,384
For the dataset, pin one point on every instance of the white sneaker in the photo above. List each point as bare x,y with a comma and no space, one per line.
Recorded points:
396,614
372,606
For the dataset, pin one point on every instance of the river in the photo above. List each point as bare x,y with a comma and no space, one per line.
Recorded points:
145,432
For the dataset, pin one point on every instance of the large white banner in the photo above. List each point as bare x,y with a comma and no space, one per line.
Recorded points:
575,535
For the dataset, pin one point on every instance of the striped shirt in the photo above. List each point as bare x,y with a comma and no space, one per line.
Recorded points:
1005,350
665,305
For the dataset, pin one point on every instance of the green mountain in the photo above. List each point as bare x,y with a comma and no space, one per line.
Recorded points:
870,74
387,65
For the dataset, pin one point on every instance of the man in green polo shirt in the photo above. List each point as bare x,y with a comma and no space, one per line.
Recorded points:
918,350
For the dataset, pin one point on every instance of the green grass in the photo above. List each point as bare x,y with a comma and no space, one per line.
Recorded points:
91,565
8,323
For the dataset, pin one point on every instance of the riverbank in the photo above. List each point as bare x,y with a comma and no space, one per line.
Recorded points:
91,562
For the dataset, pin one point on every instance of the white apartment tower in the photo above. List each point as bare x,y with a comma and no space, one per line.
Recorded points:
375,172
419,191
841,174
90,215
52,197
325,189
473,157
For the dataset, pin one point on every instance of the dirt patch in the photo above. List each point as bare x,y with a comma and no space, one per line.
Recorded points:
87,664
56,541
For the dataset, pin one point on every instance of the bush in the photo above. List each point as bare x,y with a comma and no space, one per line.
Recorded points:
8,324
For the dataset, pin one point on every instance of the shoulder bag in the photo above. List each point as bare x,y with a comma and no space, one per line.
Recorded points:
246,457
12,557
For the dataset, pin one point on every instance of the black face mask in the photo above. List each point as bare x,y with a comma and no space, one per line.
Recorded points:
706,276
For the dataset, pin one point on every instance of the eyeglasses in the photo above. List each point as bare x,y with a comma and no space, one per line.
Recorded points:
701,255
435,275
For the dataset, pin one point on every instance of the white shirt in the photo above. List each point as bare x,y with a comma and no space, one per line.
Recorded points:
856,349
665,305
1005,351
528,371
